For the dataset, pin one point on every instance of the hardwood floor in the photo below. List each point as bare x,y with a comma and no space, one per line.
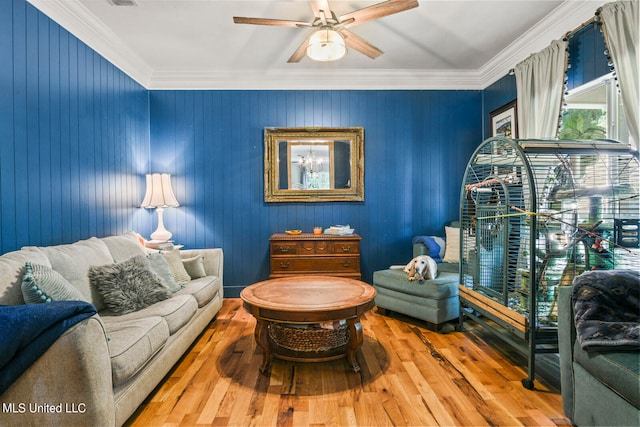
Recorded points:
410,377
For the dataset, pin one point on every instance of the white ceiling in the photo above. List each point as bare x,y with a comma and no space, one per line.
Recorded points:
194,44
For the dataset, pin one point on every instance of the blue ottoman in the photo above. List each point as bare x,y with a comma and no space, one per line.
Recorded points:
434,301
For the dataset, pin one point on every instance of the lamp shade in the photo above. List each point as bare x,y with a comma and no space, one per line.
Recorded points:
326,44
159,193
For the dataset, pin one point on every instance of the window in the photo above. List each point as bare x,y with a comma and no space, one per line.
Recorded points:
594,111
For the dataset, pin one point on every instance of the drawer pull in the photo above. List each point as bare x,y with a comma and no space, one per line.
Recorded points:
284,249
346,264
346,248
285,264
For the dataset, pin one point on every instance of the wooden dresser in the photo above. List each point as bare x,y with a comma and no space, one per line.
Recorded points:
309,253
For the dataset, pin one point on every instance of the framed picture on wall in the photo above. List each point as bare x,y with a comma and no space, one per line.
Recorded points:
503,121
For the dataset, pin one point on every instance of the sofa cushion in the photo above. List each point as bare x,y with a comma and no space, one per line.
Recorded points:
12,269
203,289
43,284
73,262
158,265
618,370
124,246
176,312
129,285
444,286
177,267
194,266
132,343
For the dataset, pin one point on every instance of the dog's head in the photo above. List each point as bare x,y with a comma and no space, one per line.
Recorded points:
421,267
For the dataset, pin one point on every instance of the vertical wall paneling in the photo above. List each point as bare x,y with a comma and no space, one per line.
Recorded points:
495,96
212,144
17,218
75,136
7,133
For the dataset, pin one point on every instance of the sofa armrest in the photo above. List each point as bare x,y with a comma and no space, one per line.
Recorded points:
70,384
213,260
566,341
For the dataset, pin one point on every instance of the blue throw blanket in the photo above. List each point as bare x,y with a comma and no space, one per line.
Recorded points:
433,248
27,331
606,306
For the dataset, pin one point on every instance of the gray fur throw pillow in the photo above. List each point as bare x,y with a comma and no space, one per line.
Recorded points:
128,286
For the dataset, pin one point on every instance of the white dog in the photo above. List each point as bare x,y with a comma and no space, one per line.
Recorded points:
421,268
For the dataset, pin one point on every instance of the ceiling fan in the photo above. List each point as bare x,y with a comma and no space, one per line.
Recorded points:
327,42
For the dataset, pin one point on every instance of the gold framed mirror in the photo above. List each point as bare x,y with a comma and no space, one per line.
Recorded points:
313,164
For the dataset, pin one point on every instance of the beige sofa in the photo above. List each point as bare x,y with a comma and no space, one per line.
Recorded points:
101,369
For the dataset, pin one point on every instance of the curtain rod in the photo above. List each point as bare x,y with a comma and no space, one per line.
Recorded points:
568,34
595,18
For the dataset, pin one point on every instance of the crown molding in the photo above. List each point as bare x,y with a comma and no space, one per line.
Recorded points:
567,16
75,18
80,22
317,80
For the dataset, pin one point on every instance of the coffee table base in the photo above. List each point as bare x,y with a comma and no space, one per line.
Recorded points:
271,349
308,300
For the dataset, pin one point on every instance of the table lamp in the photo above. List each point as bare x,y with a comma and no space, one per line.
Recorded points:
159,195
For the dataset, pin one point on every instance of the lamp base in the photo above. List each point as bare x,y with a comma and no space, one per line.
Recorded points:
161,233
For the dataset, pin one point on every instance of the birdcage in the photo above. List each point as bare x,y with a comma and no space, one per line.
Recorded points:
534,214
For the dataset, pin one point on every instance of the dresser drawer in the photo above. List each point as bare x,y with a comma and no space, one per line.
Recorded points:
315,247
323,247
346,247
284,248
315,265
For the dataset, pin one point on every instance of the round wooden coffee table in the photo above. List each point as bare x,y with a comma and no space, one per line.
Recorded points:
295,303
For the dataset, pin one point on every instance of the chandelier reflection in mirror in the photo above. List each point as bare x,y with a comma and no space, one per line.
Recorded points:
311,172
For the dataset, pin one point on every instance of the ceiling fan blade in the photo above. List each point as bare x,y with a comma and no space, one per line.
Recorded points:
361,45
301,51
320,5
379,10
272,22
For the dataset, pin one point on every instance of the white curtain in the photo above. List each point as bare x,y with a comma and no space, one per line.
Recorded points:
539,85
620,28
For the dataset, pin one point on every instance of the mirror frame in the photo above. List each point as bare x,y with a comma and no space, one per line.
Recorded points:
314,135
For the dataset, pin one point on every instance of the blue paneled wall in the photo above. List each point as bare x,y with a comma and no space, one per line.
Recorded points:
495,96
416,147
74,136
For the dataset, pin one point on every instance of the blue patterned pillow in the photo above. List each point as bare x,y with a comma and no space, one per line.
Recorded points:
43,284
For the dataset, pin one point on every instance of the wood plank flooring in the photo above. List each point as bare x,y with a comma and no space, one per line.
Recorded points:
410,377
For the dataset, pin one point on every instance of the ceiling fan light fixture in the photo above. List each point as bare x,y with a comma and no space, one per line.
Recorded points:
326,44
